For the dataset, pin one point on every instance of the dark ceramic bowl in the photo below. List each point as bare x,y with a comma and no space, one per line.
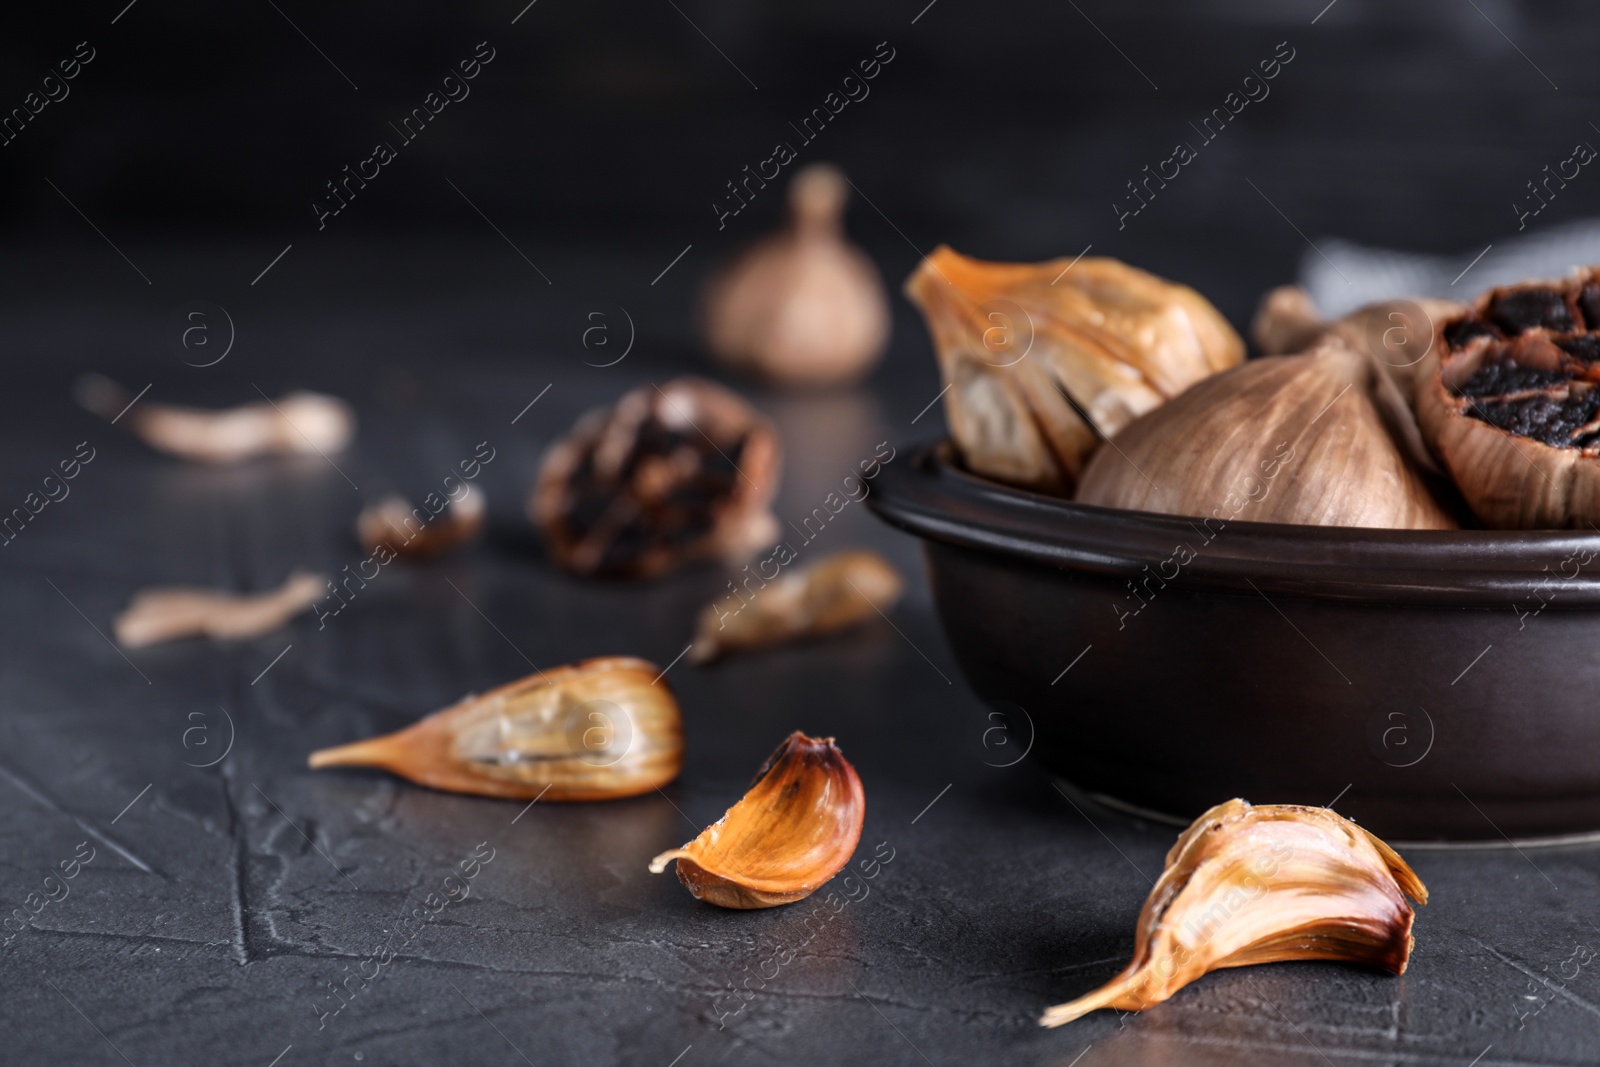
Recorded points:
1439,686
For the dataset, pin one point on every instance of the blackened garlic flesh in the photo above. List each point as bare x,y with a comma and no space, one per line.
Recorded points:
671,474
1511,405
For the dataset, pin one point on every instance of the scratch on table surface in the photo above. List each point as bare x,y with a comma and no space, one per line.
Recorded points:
39,796
1561,991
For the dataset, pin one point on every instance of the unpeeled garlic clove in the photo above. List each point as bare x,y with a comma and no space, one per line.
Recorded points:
795,829
1043,360
803,307
1262,884
297,423
1285,439
669,475
830,595
169,613
412,533
596,730
1398,334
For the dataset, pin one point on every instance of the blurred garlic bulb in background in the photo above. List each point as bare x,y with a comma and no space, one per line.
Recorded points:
803,307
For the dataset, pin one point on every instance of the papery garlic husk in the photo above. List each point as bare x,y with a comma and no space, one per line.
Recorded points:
1028,351
596,730
299,423
803,307
1511,403
795,829
1262,884
1398,334
832,594
172,612
413,533
1284,439
670,475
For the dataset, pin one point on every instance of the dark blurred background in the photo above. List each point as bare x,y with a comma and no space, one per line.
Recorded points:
1006,129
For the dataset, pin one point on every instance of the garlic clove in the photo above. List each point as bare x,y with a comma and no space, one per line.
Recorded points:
1510,403
795,829
1286,321
412,533
669,475
832,594
596,730
1285,439
154,616
1261,884
1042,361
298,423
803,307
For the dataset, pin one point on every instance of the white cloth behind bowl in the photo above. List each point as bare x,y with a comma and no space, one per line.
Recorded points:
1342,276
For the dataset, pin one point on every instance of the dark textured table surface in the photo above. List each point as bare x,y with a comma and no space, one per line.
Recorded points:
223,901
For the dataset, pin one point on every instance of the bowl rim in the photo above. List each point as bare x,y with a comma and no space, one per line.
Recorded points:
1525,571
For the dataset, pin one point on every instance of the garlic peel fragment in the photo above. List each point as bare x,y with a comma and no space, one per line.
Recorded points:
795,829
832,594
1262,884
301,422
597,730
169,613
412,533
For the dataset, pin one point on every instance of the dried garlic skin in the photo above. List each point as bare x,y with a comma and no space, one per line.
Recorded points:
1014,340
832,594
803,307
1284,439
797,827
299,423
670,475
1261,884
411,533
164,614
1510,403
596,730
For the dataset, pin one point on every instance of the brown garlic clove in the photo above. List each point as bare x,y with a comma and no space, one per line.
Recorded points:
1510,403
298,423
414,533
1262,884
1286,439
596,730
795,829
1041,361
1399,334
1286,321
830,595
670,475
803,307
167,614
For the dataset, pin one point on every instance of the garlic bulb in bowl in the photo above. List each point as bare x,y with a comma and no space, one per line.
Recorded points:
1285,439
